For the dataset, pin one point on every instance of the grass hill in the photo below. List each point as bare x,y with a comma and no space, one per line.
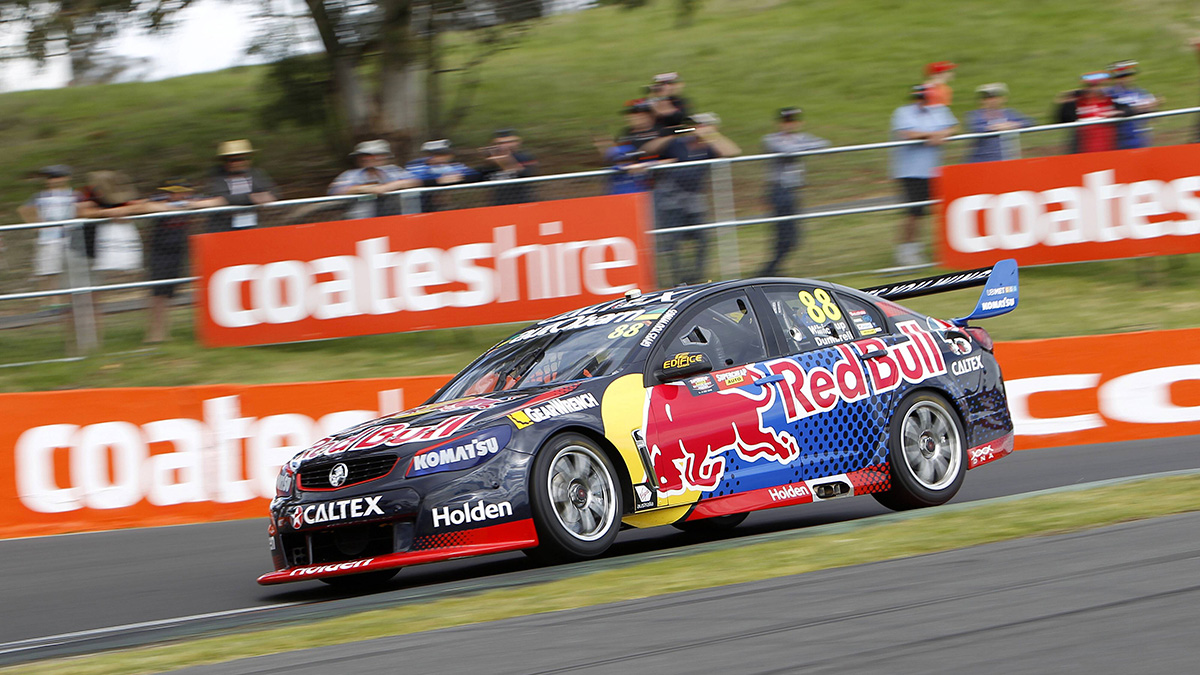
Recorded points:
848,63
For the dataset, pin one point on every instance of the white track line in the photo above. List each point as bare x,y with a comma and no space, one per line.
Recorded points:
52,640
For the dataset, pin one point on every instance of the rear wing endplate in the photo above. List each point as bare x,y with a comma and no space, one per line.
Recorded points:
1000,293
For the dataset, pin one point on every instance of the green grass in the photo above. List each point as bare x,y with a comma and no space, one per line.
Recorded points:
781,554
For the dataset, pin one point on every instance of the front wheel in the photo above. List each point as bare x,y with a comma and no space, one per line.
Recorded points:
928,453
576,500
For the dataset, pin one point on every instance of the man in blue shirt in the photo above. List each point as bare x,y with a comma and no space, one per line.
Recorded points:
991,115
915,165
785,177
374,175
1131,133
437,167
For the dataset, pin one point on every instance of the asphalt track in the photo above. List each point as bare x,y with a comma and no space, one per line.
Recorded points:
71,584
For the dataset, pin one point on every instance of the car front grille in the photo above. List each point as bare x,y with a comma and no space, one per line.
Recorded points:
359,470
351,542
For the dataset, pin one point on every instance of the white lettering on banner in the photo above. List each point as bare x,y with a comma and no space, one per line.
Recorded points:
223,457
1142,397
1098,211
377,280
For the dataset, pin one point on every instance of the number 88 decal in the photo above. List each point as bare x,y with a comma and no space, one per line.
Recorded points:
826,310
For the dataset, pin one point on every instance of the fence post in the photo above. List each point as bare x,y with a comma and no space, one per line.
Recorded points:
1011,139
82,307
724,209
410,201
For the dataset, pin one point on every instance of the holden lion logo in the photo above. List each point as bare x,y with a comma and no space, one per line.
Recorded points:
337,475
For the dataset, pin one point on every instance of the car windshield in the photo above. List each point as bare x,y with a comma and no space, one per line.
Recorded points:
559,351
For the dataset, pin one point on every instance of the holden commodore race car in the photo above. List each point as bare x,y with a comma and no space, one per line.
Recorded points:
689,407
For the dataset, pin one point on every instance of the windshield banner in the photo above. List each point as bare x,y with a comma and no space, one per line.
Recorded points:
1071,208
447,269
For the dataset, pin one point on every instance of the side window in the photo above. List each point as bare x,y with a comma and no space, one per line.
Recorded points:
725,330
865,317
809,317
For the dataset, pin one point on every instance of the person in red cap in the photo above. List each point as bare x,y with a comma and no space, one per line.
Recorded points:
1090,102
937,80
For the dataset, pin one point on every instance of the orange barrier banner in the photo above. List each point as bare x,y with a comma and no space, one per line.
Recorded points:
1102,388
446,269
1070,208
102,459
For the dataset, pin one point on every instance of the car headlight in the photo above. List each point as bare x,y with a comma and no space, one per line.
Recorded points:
284,481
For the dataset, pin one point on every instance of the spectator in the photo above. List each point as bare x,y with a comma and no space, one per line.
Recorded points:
235,182
168,248
916,164
680,199
631,164
57,201
112,245
505,161
640,125
374,175
991,115
784,179
437,167
670,109
1090,103
1131,133
937,77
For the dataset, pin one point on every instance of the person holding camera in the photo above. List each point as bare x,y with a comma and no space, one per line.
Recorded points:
436,167
1133,133
670,109
680,199
505,161
626,154
785,177
991,115
1090,102
916,164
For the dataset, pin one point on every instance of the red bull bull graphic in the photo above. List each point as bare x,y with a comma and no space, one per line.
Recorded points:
761,412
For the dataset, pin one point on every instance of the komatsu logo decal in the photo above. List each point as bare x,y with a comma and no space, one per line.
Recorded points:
461,453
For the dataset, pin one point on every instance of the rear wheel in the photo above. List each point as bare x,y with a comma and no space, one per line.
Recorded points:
361,582
576,499
711,525
928,453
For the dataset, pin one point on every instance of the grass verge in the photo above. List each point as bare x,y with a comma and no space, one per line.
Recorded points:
797,552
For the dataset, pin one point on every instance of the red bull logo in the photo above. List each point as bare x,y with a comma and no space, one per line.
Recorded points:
689,435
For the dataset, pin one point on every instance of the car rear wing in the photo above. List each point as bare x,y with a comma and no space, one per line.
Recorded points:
1000,293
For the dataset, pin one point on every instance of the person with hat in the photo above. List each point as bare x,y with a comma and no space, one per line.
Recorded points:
436,167
785,177
236,183
56,201
374,175
506,161
680,197
992,116
937,77
1132,133
1090,102
626,154
916,164
670,109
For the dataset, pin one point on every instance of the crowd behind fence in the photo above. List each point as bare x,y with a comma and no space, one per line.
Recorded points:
841,186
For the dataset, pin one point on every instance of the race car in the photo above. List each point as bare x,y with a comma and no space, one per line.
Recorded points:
690,407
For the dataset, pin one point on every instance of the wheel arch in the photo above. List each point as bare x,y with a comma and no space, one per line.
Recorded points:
609,450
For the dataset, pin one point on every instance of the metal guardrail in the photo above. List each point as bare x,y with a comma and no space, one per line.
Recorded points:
726,214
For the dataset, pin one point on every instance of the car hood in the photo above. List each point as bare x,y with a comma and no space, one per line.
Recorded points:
407,432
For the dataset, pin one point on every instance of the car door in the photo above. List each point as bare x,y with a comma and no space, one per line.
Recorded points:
826,410
697,426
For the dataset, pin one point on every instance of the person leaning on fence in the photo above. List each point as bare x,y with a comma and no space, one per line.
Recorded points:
56,201
112,246
785,177
504,159
437,167
374,174
235,182
915,165
168,240
1134,101
680,197
991,115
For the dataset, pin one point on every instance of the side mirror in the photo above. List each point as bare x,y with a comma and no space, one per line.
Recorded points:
681,365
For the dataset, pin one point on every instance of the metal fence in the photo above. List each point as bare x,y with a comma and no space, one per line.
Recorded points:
131,258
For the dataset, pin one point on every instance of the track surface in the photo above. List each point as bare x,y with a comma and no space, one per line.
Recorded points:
1112,600
74,583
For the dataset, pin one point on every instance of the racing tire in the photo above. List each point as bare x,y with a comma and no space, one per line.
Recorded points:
361,582
576,500
713,525
927,453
